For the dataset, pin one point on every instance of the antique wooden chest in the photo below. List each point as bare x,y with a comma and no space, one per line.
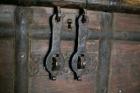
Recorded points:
111,42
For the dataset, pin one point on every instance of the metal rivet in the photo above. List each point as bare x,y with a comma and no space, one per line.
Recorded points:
23,22
22,56
120,91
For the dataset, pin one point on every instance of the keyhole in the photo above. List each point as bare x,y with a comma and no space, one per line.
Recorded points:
81,62
69,21
55,65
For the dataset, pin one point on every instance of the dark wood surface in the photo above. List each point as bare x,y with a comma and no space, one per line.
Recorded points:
65,82
99,5
7,65
125,67
121,46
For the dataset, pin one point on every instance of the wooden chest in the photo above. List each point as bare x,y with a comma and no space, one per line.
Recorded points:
113,46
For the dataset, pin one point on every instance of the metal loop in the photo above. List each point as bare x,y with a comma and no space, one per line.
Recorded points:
57,11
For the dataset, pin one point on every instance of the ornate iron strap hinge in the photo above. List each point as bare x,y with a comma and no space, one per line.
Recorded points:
80,59
55,61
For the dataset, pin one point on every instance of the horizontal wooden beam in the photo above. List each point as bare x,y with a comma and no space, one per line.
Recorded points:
109,7
7,33
44,34
116,35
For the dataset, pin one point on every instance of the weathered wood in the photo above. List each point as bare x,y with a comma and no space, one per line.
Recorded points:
7,65
125,67
40,84
41,34
109,7
7,33
22,48
104,55
116,35
39,80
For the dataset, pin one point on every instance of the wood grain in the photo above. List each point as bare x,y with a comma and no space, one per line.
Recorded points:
125,67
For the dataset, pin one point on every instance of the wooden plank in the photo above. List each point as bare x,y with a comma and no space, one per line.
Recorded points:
7,33
104,55
39,26
73,4
125,67
43,33
65,83
125,22
7,65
